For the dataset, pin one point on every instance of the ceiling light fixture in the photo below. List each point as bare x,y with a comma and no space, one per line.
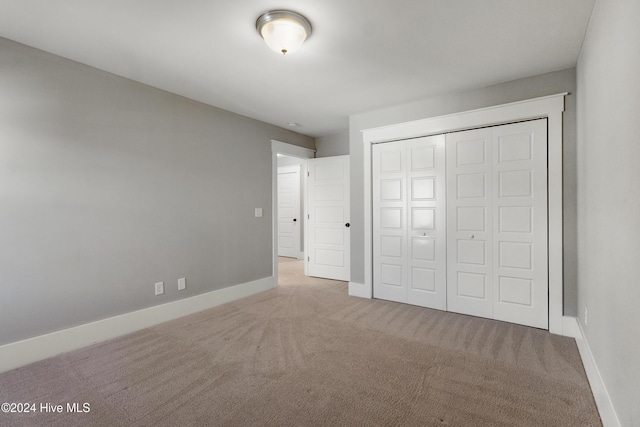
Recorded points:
283,31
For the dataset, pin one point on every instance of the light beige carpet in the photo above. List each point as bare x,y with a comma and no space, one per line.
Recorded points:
306,354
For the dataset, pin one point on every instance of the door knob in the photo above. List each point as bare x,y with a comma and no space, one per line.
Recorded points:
294,220
347,225
471,236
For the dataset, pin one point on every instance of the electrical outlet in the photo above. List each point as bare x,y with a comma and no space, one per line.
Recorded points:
182,284
586,321
159,288
258,213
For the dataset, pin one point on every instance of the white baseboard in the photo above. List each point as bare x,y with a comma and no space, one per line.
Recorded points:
359,290
570,327
598,388
31,350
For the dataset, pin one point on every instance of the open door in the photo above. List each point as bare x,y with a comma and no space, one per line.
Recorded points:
328,250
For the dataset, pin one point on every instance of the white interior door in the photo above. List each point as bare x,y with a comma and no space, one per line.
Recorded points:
289,211
328,220
409,221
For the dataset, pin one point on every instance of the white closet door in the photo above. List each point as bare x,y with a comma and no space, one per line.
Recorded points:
390,221
470,222
497,228
427,216
409,222
521,279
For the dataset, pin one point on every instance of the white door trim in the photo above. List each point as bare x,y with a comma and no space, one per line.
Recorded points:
279,147
550,107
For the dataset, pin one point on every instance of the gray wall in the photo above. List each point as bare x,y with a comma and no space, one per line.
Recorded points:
609,199
517,90
108,186
333,145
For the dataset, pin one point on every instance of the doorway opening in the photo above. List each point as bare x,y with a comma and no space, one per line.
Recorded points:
290,158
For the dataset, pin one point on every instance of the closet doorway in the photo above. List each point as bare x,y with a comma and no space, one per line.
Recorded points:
515,252
460,222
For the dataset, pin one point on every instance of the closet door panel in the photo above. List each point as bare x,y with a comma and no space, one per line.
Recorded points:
427,275
521,283
470,225
390,247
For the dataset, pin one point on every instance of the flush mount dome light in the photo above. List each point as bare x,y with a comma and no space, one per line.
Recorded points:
283,31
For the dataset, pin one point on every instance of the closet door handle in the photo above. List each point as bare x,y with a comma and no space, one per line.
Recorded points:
347,225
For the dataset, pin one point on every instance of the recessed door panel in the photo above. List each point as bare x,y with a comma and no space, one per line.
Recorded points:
471,285
515,147
391,275
329,236
391,218
423,279
391,190
471,185
330,214
391,246
515,183
471,218
423,188
423,248
423,219
515,219
423,158
330,193
471,152
516,255
390,161
472,252
514,290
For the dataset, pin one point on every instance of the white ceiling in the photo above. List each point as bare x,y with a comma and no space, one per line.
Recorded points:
362,55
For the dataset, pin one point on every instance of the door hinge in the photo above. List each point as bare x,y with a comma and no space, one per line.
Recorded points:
308,217
308,259
308,174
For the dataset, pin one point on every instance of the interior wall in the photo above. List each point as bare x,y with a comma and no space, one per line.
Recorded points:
517,90
333,145
608,199
108,186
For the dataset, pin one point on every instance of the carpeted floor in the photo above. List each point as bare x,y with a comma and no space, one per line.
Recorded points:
306,354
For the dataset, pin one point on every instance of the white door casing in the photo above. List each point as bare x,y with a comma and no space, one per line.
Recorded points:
289,211
409,222
328,218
